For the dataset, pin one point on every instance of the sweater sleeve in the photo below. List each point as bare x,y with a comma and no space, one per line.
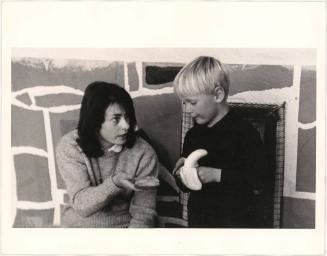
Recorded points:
143,203
85,199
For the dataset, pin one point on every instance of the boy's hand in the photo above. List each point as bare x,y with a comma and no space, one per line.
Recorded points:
209,174
179,164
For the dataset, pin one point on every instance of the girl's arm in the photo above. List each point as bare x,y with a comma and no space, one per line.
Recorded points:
84,198
143,204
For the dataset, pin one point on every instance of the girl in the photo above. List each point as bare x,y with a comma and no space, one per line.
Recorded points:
102,159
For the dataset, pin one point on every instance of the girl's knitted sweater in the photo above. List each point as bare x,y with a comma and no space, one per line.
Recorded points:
94,200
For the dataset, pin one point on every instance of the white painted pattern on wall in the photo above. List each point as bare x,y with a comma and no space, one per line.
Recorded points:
290,95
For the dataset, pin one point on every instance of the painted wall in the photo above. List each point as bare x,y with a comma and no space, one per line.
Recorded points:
47,87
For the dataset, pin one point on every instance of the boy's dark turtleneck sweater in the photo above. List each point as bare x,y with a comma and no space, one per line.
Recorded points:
235,147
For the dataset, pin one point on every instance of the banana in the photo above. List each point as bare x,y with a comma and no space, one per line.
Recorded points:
193,158
189,174
190,178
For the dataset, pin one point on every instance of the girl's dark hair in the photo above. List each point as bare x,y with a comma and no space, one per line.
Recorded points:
97,97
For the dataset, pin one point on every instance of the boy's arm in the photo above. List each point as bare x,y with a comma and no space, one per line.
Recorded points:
209,174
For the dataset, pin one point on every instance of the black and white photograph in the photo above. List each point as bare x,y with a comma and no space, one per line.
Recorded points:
211,146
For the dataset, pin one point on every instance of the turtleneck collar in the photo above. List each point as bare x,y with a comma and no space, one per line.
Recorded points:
107,146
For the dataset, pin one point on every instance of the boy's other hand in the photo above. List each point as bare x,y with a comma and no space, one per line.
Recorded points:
179,164
209,174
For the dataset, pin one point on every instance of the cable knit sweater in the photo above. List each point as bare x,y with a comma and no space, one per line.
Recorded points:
94,200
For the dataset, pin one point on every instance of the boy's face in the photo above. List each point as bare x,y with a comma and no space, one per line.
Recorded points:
203,108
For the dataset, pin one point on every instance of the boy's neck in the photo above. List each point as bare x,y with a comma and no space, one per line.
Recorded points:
223,109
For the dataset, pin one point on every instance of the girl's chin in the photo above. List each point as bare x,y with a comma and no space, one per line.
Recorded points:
120,141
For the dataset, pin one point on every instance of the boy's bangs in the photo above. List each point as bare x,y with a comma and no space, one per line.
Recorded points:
190,86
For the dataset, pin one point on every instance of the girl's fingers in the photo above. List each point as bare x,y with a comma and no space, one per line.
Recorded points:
129,185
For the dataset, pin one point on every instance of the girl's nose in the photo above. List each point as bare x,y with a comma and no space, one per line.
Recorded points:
124,124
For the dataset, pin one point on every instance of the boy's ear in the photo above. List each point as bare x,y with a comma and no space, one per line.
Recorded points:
220,94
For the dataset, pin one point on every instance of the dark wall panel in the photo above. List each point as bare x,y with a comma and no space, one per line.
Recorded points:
27,128
307,108
298,213
32,178
133,78
34,218
259,77
160,117
62,123
306,161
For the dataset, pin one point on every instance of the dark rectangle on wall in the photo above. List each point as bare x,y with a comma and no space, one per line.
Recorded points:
160,75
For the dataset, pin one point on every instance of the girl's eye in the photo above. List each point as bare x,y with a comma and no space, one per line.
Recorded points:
115,120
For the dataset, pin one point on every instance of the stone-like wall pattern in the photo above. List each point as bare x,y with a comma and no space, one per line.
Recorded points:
45,105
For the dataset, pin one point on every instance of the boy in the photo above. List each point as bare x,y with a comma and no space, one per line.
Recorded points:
233,170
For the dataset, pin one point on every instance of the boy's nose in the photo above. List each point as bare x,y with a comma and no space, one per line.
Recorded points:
188,108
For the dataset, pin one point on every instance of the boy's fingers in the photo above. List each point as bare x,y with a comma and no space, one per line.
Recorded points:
180,162
201,175
178,165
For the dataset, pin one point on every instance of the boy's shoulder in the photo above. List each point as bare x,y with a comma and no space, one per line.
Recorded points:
241,123
233,121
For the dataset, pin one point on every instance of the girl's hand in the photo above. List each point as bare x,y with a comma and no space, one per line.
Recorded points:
209,174
124,180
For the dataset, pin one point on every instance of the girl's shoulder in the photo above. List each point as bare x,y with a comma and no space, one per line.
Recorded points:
141,147
141,143
69,138
68,141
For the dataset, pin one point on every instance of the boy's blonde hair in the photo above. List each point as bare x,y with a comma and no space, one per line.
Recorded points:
201,76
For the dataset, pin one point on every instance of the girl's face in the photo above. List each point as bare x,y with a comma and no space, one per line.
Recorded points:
115,127
203,108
